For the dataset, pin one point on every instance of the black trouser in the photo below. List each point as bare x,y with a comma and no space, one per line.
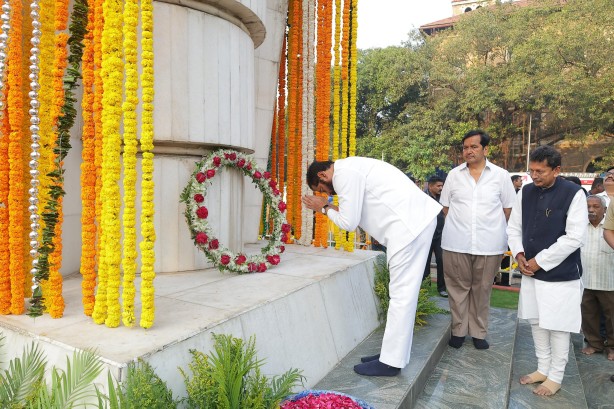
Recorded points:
436,247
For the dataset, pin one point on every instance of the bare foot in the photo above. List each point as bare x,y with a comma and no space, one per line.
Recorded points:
589,350
610,354
548,388
532,378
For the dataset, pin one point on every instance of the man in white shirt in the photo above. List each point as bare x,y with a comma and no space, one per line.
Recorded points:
477,199
546,229
385,203
598,279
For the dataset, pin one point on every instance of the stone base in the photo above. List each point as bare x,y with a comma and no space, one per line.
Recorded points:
306,313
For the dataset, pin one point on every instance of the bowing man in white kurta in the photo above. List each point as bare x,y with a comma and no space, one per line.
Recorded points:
384,202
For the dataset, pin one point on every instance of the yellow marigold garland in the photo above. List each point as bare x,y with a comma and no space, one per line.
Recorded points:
131,16
112,75
147,185
88,172
15,158
336,114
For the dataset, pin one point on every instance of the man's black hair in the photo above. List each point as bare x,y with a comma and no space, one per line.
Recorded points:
516,177
546,153
596,182
435,179
312,173
484,137
573,179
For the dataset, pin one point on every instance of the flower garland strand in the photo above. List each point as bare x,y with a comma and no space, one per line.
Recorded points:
345,96
112,76
308,118
280,146
131,100
336,104
349,245
15,155
297,151
88,171
36,299
5,274
148,232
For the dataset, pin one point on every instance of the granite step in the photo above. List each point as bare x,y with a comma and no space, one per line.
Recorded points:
400,391
571,395
595,372
467,377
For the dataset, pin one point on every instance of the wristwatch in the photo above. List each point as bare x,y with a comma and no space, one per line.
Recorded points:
324,208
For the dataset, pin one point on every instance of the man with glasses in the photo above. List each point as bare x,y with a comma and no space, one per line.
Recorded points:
477,199
546,229
608,233
608,185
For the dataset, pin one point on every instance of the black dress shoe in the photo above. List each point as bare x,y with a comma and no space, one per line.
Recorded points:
376,368
456,342
369,358
443,293
480,343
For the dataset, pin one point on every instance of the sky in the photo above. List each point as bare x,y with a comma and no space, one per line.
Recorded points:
382,23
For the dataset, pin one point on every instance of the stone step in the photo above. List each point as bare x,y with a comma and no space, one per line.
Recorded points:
595,372
467,377
400,391
571,395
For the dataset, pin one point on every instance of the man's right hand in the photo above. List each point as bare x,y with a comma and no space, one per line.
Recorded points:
523,264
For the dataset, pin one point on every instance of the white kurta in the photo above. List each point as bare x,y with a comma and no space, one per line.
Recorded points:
555,305
382,200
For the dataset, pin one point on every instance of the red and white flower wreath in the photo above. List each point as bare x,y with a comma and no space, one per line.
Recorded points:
197,214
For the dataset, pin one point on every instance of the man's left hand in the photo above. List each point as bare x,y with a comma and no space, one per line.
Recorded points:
533,266
315,203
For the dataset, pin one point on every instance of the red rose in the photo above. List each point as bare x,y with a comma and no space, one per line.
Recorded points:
198,198
284,237
214,244
249,166
217,161
232,156
273,184
273,259
240,259
200,177
267,175
282,249
251,267
241,163
210,173
257,175
202,212
281,206
201,238
285,228
225,259
261,267
276,192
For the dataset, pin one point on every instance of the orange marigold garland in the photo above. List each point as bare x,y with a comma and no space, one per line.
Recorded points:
5,274
88,172
15,155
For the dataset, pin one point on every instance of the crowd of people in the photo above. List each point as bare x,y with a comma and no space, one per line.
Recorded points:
561,238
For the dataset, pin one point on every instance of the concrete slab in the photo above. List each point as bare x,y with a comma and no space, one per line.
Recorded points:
306,313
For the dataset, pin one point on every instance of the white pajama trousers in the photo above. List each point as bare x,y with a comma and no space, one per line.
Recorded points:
551,350
406,270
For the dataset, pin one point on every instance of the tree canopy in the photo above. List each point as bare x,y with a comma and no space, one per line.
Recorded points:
501,68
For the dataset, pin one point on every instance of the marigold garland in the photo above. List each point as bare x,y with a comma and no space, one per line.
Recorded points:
147,184
131,85
5,274
88,172
15,159
349,245
112,75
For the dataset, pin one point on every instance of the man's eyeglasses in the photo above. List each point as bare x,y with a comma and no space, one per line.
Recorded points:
607,175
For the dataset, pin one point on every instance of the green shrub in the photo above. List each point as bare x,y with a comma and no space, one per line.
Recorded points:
230,378
426,306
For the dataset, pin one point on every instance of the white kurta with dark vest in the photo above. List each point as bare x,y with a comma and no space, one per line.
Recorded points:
550,225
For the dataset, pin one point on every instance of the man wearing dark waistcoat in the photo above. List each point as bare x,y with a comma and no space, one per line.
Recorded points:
545,232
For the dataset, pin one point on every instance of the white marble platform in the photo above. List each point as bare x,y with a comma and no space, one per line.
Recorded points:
306,313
